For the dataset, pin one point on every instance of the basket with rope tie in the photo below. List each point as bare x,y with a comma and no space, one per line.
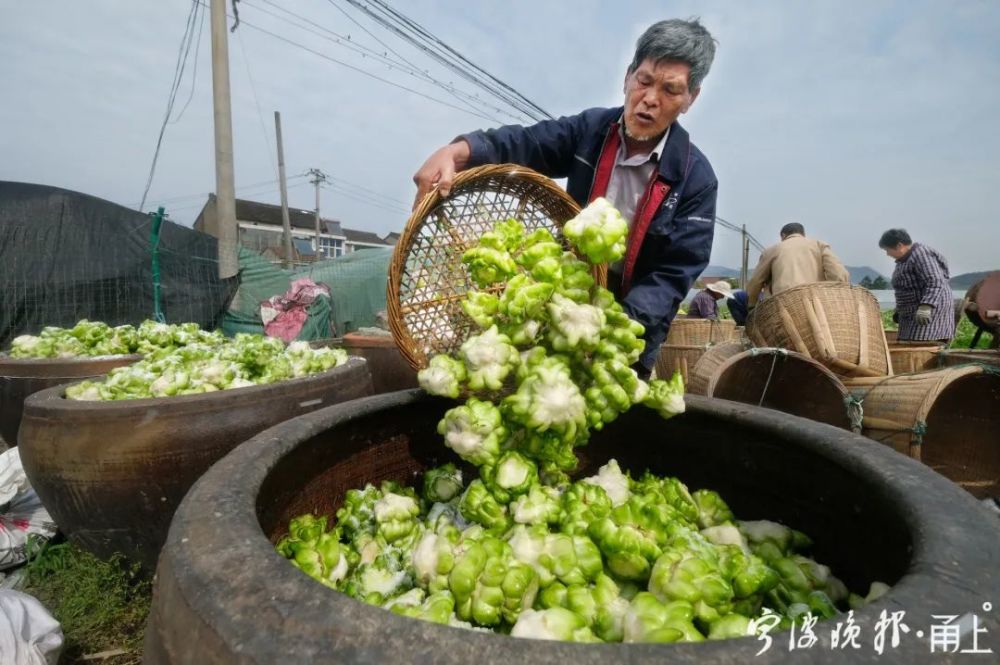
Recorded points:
427,279
948,418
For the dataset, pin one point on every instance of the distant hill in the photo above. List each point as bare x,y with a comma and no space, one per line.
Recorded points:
720,271
858,273
965,280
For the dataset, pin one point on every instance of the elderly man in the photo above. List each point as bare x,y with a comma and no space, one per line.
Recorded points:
638,157
795,260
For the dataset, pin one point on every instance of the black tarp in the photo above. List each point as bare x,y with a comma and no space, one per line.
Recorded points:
66,256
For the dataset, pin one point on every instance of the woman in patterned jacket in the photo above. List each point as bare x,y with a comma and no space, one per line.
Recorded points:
924,305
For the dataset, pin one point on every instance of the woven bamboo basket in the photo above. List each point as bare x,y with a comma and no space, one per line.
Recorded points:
837,324
700,332
910,357
677,359
701,377
891,336
427,280
953,357
948,418
775,378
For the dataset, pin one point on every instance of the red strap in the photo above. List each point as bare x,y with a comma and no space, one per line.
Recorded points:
605,164
656,191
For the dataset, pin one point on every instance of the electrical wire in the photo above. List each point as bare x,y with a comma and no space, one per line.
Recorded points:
194,70
412,32
253,185
401,64
182,56
256,101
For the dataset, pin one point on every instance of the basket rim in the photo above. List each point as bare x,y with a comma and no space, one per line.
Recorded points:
464,181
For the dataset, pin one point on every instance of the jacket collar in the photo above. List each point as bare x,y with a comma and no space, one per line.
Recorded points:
674,160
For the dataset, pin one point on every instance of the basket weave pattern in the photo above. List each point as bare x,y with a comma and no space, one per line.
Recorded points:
837,324
706,371
427,280
700,332
946,418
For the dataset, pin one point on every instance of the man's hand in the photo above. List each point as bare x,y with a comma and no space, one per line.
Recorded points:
923,315
440,168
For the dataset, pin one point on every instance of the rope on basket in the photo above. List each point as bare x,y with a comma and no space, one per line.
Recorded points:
774,361
919,431
855,403
855,412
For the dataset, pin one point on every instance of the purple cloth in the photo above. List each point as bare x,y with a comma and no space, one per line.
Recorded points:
703,306
921,278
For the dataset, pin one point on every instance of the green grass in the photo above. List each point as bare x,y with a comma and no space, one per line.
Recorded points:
963,333
102,605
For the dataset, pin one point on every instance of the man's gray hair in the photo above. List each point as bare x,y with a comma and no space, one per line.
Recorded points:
675,39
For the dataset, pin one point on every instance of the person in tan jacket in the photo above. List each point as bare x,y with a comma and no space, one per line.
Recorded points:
795,260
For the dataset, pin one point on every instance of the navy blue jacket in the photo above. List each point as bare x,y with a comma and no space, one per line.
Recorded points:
678,242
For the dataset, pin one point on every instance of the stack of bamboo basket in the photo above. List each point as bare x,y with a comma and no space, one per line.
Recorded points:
947,417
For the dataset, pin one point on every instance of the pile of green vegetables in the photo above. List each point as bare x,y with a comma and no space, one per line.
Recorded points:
522,549
216,363
94,338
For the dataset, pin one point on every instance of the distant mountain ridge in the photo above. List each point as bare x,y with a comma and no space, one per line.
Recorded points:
858,273
967,279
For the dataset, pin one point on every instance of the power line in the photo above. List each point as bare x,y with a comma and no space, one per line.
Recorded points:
362,71
253,185
412,32
256,101
367,198
194,70
401,64
182,55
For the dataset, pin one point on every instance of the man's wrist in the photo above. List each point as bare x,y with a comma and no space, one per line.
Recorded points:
461,152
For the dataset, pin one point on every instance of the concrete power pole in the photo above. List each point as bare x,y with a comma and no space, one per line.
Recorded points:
318,177
225,187
286,225
745,263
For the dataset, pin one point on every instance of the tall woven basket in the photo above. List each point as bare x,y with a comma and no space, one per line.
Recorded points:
910,357
836,324
427,280
700,332
687,340
947,418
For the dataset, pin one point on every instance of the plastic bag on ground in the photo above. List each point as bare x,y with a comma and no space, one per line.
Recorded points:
21,515
29,635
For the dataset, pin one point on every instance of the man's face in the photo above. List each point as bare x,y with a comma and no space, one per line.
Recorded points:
897,252
655,94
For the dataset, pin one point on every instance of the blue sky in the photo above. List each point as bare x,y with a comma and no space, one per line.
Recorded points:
850,117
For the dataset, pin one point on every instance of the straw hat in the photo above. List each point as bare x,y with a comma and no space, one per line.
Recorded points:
720,287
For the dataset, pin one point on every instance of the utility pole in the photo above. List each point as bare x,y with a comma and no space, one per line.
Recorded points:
225,187
286,224
318,177
745,268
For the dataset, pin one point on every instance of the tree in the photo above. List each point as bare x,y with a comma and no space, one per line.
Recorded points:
880,283
866,282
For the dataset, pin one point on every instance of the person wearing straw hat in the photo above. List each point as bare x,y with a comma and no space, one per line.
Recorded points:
924,304
704,305
639,158
793,261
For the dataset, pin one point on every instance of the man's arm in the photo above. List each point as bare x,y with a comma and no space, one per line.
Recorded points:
761,276
547,147
683,255
833,269
932,279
